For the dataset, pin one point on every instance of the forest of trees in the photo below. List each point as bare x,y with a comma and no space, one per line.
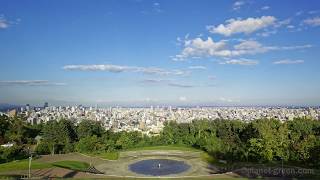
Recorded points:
259,141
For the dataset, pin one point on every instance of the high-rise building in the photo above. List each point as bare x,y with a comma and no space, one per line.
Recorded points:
27,107
46,104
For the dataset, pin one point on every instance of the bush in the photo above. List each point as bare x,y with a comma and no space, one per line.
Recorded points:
68,148
43,148
88,144
12,153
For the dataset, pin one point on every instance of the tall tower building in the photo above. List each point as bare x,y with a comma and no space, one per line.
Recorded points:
46,104
27,107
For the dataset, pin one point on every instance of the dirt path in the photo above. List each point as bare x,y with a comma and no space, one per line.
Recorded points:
72,157
54,172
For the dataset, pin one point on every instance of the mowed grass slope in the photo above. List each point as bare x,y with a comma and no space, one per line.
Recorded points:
115,155
73,165
105,155
24,165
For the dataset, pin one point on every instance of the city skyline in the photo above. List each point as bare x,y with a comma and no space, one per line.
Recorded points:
141,53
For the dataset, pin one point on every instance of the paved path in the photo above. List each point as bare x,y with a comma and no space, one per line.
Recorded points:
121,166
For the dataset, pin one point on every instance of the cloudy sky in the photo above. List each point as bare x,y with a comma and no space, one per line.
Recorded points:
160,52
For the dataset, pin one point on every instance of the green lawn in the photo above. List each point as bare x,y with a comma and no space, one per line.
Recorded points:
73,165
109,155
105,155
115,155
24,165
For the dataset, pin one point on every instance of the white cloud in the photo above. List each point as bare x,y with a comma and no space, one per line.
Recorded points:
274,28
180,85
197,67
117,69
200,48
282,23
154,81
156,7
288,61
312,21
244,62
247,45
265,8
237,5
290,26
267,33
3,23
246,26
293,47
182,98
31,83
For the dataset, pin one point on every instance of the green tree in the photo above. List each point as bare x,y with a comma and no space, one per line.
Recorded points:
302,138
4,127
89,128
59,134
88,144
43,148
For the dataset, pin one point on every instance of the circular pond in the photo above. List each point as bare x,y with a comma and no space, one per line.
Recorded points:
159,167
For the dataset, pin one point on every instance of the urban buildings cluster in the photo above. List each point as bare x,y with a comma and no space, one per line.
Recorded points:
151,120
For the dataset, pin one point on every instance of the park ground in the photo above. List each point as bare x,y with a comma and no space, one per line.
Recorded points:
115,165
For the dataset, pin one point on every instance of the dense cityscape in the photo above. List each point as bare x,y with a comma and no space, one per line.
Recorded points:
150,120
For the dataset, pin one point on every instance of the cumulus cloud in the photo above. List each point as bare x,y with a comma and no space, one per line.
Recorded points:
117,69
31,83
312,21
237,5
201,48
244,62
288,61
274,28
246,26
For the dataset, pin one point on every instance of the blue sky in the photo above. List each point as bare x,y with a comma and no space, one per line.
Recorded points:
171,52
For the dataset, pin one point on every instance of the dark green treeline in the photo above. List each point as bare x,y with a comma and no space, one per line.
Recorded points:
265,140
